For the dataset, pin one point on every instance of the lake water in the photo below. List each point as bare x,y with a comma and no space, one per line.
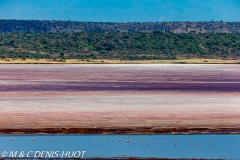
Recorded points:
110,146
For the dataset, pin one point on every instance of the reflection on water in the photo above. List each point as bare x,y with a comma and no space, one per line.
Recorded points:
109,146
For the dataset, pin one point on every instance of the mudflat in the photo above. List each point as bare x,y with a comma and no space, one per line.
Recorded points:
120,98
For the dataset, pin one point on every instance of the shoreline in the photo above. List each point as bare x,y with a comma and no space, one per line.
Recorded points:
107,61
121,131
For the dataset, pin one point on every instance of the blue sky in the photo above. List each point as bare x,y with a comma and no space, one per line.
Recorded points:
121,10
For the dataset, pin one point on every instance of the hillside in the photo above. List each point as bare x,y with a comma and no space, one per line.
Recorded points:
35,26
121,41
120,45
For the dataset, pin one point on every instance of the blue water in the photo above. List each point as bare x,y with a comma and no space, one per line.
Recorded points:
90,146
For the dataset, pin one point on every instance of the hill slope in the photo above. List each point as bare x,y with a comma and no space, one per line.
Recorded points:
120,45
24,26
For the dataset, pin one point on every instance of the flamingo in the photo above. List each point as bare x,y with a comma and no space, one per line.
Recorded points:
175,143
154,142
164,143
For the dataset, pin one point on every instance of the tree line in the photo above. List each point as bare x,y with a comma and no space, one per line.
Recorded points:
36,26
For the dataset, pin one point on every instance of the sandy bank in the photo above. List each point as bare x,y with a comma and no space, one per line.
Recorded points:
106,61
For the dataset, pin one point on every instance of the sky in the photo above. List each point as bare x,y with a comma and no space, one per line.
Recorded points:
121,10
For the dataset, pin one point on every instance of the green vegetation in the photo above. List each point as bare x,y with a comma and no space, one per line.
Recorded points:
120,45
36,26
